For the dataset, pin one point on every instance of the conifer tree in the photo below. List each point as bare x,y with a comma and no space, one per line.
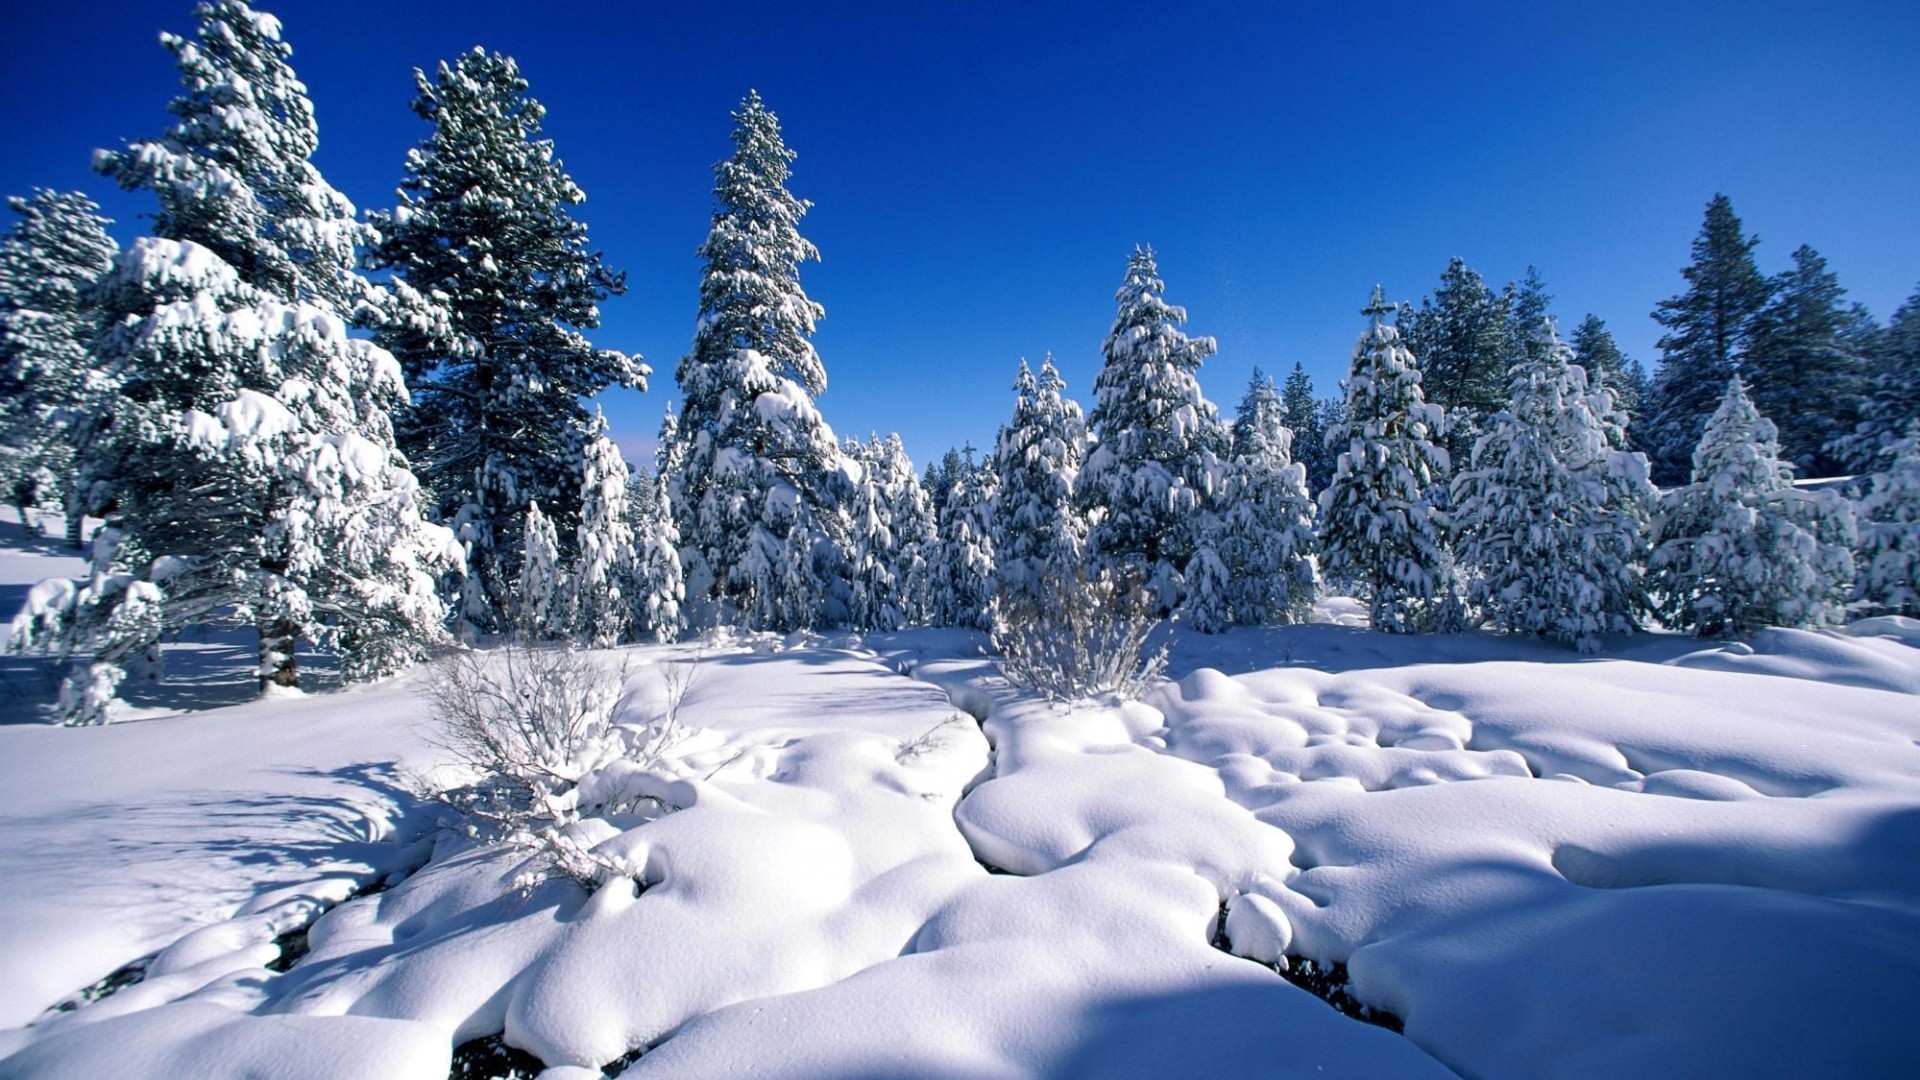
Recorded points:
1037,529
1609,369
1380,526
1803,365
1263,535
759,456
1461,336
1208,605
542,591
1893,395
1741,548
1158,442
245,461
1307,417
911,520
1554,512
1889,557
964,563
49,262
485,225
602,589
1527,303
1709,329
659,590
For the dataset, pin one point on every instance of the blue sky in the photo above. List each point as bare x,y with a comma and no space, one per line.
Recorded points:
981,170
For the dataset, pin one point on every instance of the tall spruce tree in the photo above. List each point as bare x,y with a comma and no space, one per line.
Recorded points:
1553,512
1805,364
1893,395
245,461
1159,445
49,262
1709,330
1381,528
1038,532
1307,417
485,225
1263,535
1461,336
1740,547
759,455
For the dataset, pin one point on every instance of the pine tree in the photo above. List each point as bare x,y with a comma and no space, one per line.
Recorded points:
245,461
1741,548
758,453
484,225
602,588
1527,303
1038,530
49,262
1710,327
659,590
1554,512
1804,366
911,519
1264,536
1889,555
964,563
1610,369
1158,442
1893,398
1380,528
1208,605
542,590
1307,417
1461,336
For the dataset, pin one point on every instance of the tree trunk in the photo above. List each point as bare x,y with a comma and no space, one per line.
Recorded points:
277,655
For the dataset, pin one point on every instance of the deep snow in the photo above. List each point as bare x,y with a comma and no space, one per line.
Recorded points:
1677,859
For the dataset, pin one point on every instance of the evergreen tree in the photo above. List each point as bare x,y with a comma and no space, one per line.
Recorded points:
1307,417
1461,336
759,456
1158,442
484,225
1263,536
1741,548
1207,606
49,262
911,519
1893,399
659,590
603,587
1527,303
964,563
1804,365
542,591
245,461
1709,329
1380,528
1037,529
1554,512
1889,557
1609,369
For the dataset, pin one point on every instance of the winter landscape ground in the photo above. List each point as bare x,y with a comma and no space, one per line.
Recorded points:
1680,859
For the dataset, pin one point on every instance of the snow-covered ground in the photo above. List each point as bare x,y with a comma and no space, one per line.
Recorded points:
1678,859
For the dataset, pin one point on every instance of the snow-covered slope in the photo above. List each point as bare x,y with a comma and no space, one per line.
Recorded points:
1679,860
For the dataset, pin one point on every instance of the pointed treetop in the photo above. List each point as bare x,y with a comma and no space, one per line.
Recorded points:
1377,305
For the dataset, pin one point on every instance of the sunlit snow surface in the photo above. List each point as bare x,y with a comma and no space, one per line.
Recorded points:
1680,859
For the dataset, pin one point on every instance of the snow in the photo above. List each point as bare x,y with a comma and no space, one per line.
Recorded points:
1674,861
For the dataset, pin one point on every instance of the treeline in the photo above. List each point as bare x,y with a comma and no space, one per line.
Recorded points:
436,475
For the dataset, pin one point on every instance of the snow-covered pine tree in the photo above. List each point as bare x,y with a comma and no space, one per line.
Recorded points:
1803,365
484,224
541,597
1208,604
872,562
1264,534
1709,328
1889,553
1159,445
1527,303
911,519
758,452
1460,335
659,591
246,461
1037,529
1893,396
964,561
49,262
603,584
1741,548
1380,528
1306,416
788,594
1610,369
1554,513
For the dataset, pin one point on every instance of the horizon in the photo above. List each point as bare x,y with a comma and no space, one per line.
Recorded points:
1280,163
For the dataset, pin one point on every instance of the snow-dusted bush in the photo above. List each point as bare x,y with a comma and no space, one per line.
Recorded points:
1078,636
533,729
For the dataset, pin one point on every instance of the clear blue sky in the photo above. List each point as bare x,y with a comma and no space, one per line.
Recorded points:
981,170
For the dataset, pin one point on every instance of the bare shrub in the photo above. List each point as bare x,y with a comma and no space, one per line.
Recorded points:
533,724
1077,637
